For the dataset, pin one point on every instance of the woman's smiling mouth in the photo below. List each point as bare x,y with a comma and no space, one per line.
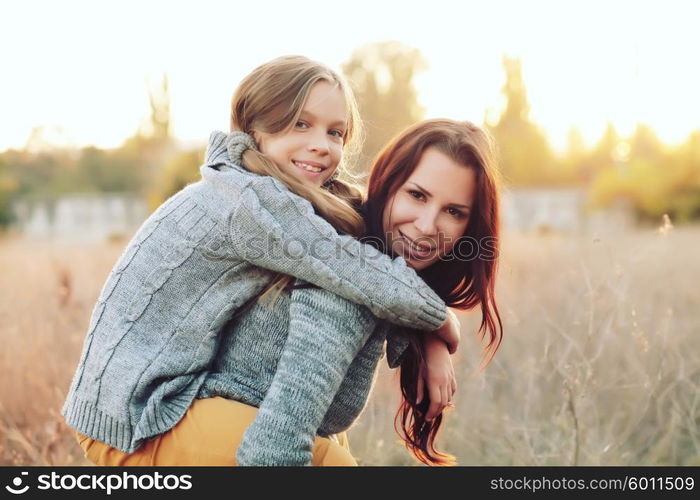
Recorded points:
416,249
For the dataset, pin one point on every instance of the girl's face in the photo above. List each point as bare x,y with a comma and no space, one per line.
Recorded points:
430,211
313,147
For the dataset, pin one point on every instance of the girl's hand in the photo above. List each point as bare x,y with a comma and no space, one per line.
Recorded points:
449,332
439,376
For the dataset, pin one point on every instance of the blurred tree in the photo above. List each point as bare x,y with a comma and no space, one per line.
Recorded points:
573,162
647,173
684,163
145,153
45,172
655,179
159,99
110,171
524,153
8,187
381,75
177,173
36,142
601,168
646,144
609,151
154,135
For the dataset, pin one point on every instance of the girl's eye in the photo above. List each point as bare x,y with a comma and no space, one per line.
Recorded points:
301,124
337,133
415,194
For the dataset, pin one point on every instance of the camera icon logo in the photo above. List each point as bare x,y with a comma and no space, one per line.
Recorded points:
17,482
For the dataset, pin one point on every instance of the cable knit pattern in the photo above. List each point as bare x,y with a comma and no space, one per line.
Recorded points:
314,331
289,361
325,335
156,325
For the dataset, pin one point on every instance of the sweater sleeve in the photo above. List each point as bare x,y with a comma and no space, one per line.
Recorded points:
396,344
278,230
325,334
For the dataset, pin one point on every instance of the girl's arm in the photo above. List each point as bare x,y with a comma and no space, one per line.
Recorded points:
397,341
278,230
314,362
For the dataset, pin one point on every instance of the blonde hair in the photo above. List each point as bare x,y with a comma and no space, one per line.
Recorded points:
270,100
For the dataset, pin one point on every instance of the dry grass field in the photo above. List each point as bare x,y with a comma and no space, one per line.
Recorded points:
600,362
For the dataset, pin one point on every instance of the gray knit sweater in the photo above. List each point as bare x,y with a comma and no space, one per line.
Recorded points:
308,363
156,326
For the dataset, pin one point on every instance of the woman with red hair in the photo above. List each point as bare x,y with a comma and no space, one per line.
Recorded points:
433,197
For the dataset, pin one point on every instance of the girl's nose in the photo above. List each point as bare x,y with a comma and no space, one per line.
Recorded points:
318,142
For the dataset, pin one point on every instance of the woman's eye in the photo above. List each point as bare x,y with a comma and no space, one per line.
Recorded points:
301,124
415,194
455,213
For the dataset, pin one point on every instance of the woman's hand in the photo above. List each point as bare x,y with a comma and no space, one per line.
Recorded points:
449,332
439,376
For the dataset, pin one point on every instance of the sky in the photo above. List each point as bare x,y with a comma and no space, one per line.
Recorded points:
80,69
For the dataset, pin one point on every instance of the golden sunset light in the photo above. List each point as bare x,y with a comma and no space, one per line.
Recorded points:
80,69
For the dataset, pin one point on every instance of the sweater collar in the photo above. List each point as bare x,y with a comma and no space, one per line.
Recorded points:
217,151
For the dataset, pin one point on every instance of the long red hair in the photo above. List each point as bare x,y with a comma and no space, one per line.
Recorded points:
461,283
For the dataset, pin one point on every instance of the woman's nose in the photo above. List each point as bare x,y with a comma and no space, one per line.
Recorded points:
426,223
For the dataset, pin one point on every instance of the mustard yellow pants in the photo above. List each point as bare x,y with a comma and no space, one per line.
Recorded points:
208,434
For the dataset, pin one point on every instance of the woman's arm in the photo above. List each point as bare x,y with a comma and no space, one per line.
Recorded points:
439,376
313,364
278,230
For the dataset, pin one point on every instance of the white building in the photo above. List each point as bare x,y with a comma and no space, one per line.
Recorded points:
561,210
85,217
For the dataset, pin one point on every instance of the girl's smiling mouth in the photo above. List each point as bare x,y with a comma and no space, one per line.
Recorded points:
310,166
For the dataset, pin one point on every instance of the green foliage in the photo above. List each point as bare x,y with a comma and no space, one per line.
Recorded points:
638,181
524,154
603,155
109,171
181,170
657,180
86,170
8,187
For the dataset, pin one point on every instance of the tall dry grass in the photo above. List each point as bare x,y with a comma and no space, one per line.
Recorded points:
600,362
47,293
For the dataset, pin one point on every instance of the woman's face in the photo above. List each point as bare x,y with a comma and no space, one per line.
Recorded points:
430,211
313,147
